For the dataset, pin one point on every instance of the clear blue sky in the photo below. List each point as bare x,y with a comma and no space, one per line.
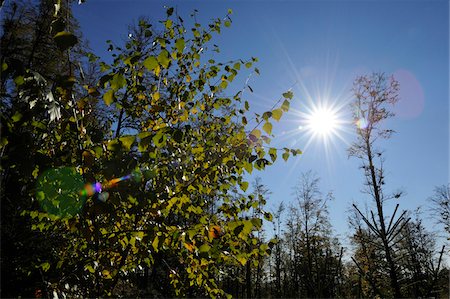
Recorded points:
323,45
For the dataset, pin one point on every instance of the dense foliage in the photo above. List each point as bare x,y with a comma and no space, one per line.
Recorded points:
128,178
181,143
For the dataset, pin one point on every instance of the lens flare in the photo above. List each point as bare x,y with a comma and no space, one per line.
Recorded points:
362,123
91,189
61,192
57,191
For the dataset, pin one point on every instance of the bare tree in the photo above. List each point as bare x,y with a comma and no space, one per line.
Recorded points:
373,96
312,254
441,206
278,249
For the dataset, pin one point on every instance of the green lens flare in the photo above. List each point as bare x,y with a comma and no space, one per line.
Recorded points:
58,191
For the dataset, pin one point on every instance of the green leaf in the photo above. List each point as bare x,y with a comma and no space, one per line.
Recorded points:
204,248
155,244
223,84
179,44
19,80
169,11
268,216
40,195
159,139
244,186
38,124
35,172
248,167
118,81
65,40
163,58
89,268
273,154
150,63
296,152
132,241
285,156
257,222
109,97
276,114
288,95
285,106
241,259
267,128
17,116
3,142
4,66
45,266
256,133
168,24
127,141
227,23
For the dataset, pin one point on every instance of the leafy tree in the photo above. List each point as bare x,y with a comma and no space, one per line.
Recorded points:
39,69
179,147
373,95
248,280
419,260
367,276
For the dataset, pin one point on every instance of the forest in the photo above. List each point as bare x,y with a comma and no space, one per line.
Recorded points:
136,175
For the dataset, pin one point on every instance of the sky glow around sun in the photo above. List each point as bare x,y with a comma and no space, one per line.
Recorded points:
322,121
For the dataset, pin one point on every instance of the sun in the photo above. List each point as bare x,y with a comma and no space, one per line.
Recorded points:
322,121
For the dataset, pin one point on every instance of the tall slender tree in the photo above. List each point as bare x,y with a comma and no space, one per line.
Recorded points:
374,94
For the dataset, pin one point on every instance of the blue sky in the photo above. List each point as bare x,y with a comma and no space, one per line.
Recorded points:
319,47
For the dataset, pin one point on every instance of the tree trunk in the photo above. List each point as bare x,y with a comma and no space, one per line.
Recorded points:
383,233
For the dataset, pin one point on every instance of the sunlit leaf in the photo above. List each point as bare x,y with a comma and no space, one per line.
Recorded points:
204,248
127,141
179,44
288,95
244,186
118,81
155,244
285,106
109,97
150,63
276,114
163,58
267,128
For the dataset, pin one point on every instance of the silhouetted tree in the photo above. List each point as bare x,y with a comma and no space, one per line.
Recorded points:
373,96
441,206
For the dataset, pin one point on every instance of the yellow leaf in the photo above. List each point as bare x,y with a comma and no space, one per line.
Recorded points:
267,128
155,244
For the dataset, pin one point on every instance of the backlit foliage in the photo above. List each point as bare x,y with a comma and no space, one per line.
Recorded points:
183,142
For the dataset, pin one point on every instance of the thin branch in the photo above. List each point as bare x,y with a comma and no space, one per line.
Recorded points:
392,218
